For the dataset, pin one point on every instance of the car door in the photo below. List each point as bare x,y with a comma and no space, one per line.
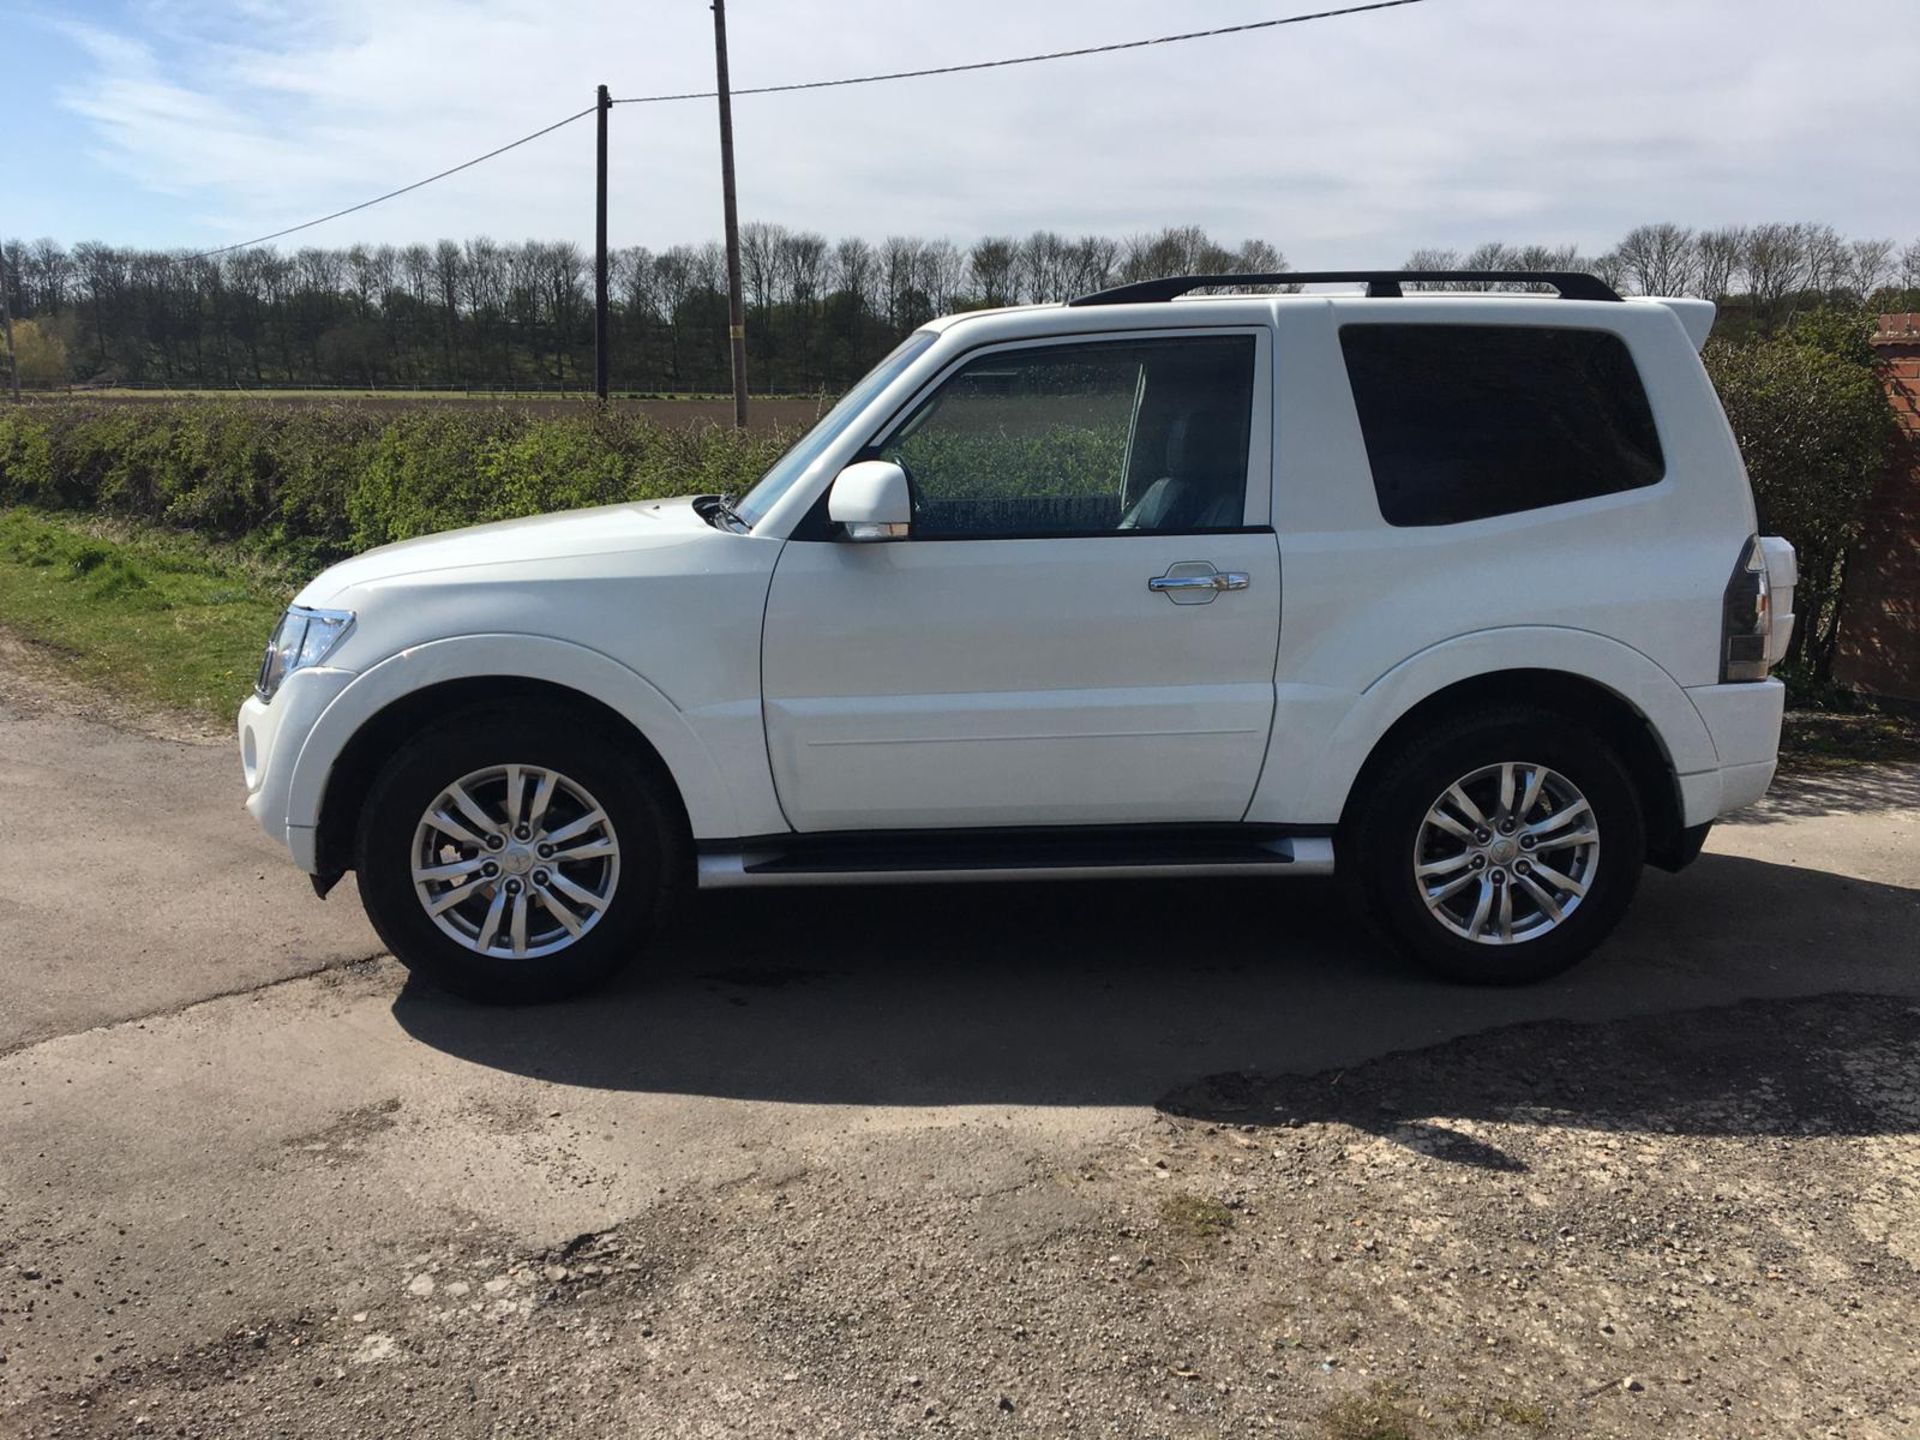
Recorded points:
1080,626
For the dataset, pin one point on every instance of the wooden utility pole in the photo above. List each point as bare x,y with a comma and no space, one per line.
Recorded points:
601,338
736,311
6,324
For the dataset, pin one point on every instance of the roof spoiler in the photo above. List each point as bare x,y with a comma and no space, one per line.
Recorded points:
1696,317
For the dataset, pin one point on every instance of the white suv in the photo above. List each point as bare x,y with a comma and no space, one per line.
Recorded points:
1459,592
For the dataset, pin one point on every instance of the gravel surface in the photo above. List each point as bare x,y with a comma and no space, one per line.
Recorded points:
1705,1223
1168,1160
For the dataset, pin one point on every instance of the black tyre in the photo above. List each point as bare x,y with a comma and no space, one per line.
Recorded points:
517,852
1497,849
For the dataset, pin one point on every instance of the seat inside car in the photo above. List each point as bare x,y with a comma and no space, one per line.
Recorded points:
1203,487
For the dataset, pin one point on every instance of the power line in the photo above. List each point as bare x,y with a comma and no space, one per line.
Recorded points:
1026,59
395,194
820,85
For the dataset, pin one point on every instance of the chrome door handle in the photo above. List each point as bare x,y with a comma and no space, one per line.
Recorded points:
1219,580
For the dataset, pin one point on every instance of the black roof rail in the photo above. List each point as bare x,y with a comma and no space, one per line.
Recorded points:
1572,284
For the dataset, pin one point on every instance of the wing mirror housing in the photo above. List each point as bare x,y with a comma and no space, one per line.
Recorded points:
870,501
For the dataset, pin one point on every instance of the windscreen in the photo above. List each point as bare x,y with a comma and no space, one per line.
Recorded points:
795,463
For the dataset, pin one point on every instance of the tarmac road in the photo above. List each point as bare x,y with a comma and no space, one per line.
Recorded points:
223,1113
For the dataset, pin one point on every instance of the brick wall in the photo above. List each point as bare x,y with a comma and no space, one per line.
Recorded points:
1879,647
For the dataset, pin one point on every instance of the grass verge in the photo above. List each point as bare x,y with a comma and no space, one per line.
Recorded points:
150,617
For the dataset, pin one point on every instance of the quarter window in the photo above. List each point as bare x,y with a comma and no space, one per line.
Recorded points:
1463,422
1089,438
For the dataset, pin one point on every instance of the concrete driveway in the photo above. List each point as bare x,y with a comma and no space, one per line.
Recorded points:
232,1137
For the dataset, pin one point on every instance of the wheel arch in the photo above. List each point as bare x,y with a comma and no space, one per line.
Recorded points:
1582,701
367,721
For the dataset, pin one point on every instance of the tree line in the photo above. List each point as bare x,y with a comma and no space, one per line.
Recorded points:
487,315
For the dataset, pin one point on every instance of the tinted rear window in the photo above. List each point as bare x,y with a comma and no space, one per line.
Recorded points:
1467,421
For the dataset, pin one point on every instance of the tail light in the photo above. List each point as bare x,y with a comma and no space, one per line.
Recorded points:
1756,617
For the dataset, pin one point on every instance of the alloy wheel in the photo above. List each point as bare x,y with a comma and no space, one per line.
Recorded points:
516,861
1507,853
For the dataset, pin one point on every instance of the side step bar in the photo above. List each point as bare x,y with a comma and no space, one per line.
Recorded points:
912,858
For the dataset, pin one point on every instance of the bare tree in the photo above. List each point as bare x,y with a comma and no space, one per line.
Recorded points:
493,303
102,275
630,275
853,271
803,266
899,255
1720,255
1176,250
991,262
1827,259
1043,266
1092,262
52,273
940,274
1493,255
416,273
1541,257
760,275
760,260
1660,259
1432,258
447,271
1258,257
1869,265
1910,267
13,281
677,277
1609,268
820,311
1774,265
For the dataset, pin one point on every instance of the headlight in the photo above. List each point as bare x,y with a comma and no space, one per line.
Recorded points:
304,637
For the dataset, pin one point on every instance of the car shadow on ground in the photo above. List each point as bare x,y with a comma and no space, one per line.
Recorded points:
1823,1066
1127,994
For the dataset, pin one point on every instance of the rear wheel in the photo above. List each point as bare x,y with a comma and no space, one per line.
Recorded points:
515,854
1498,849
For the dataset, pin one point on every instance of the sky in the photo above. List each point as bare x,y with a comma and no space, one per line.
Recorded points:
1349,141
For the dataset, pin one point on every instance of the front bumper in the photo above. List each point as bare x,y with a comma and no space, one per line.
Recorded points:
271,735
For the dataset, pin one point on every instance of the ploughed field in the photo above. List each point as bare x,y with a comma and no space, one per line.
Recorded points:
769,412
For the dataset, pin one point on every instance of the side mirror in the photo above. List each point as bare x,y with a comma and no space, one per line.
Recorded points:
871,499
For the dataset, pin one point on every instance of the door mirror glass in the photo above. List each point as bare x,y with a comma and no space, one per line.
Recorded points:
871,501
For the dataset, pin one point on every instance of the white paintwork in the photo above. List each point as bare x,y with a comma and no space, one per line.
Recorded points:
1332,732
1696,316
870,498
815,684
1017,682
704,783
644,607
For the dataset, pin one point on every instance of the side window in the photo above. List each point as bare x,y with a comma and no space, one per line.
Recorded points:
1467,421
1082,439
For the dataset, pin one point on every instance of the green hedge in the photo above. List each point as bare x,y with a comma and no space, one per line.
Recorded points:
315,483
311,484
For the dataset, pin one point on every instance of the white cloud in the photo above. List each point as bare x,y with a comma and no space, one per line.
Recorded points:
1349,140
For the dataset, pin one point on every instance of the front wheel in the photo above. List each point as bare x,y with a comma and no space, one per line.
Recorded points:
513,854
1499,849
